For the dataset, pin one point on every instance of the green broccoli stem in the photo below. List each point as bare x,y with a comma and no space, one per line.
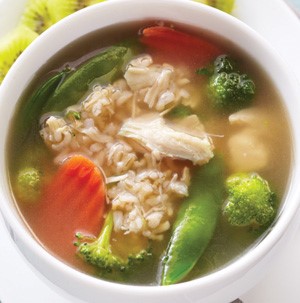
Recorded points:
98,252
105,234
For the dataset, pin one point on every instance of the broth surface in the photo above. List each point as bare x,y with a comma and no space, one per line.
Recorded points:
228,242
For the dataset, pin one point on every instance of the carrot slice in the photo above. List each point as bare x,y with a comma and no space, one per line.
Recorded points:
73,201
173,45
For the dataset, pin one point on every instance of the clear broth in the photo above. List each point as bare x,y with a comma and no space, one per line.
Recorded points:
228,242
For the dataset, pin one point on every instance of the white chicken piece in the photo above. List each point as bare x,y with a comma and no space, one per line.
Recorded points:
187,140
248,148
247,152
254,117
158,86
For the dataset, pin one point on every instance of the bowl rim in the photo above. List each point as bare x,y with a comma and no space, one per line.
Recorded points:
243,263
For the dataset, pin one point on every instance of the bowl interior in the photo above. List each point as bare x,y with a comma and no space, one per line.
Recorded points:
123,11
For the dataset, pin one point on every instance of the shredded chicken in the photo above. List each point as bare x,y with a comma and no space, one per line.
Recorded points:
154,133
159,86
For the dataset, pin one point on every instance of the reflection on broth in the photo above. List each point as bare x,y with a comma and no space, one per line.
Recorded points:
152,153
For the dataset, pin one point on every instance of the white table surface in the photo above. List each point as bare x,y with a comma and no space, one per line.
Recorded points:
275,21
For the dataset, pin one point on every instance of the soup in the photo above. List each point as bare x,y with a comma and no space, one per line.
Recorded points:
149,154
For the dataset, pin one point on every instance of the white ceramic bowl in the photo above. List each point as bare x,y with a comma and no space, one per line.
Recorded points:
221,286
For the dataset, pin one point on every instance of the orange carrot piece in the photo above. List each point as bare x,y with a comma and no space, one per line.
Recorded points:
170,44
73,201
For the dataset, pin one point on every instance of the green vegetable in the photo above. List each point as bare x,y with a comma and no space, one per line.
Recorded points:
224,63
66,88
28,184
108,62
195,224
72,115
99,251
229,89
180,111
204,71
33,108
250,200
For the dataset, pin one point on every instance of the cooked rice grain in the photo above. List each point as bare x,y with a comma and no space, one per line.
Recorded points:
141,190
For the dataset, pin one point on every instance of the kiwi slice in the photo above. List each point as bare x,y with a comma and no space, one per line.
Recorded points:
36,16
223,5
12,45
59,9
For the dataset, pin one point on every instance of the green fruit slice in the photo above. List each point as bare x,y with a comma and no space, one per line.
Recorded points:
36,16
12,45
58,9
223,5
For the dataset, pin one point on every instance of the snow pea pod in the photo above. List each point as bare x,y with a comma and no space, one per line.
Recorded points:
30,112
196,221
77,83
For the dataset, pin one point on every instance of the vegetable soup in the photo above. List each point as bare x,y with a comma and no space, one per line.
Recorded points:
149,153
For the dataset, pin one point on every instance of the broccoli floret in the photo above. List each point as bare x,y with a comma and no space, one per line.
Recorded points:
98,252
230,90
28,183
224,63
250,200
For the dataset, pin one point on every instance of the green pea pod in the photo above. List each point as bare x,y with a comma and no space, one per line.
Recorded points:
29,114
77,83
196,221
